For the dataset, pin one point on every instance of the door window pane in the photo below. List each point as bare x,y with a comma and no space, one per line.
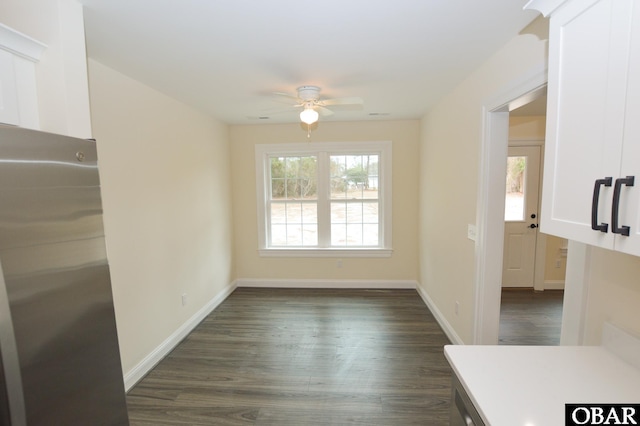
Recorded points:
516,184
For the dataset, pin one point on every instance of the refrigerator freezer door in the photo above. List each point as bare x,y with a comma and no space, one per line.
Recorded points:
58,286
11,393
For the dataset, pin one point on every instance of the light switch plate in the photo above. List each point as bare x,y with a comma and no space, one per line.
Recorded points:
471,232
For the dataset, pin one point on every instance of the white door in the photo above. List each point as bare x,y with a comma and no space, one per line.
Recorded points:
521,216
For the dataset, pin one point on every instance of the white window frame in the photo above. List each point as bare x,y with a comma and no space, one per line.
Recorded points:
383,148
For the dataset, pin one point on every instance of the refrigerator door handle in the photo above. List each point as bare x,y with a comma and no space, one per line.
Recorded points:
10,361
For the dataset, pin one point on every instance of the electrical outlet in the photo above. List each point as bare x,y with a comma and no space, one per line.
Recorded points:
557,263
339,263
184,299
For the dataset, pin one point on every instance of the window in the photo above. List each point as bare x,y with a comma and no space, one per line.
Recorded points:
514,196
318,199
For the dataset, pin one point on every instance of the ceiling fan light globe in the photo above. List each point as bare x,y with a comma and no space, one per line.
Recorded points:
309,116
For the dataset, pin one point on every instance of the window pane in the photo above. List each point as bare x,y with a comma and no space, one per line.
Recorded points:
278,235
277,168
354,176
294,235
354,235
339,184
338,212
370,213
277,188
354,213
370,235
338,235
294,224
309,213
294,177
339,187
309,235
294,213
278,213
356,223
514,197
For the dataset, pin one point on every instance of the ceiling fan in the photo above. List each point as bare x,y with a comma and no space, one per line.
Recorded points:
308,98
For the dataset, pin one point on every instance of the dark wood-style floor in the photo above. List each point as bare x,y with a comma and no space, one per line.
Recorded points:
303,357
530,317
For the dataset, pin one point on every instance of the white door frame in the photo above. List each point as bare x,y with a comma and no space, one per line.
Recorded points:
490,214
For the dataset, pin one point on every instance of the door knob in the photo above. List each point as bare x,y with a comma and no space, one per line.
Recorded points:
533,226
533,215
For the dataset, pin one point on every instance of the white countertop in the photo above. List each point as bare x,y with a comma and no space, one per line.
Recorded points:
529,385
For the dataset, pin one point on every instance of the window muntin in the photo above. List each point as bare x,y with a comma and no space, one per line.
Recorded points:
321,197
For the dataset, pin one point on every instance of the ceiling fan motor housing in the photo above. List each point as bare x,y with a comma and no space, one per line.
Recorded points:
309,93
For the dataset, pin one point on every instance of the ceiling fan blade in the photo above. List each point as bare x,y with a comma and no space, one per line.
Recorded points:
342,101
286,95
325,112
272,111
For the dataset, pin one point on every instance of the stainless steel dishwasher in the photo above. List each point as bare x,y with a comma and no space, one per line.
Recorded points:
463,413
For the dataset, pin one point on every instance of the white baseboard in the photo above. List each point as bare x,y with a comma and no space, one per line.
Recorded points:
444,324
134,375
324,283
554,284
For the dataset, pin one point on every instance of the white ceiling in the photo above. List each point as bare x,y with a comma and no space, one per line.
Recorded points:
227,57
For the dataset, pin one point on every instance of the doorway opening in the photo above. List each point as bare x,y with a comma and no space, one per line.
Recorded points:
534,264
491,207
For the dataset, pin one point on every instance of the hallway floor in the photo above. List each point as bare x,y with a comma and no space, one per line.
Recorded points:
530,317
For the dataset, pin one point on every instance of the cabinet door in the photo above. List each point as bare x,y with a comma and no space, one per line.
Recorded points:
630,164
584,117
8,90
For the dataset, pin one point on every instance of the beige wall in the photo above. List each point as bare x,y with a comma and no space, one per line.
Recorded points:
555,268
165,176
527,128
613,293
61,74
449,159
403,264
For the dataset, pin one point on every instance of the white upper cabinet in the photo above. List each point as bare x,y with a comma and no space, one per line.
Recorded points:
593,123
18,57
630,159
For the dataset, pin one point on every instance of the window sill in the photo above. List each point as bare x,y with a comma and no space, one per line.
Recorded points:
314,252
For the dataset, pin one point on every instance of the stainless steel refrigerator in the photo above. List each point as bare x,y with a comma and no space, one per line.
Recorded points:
60,361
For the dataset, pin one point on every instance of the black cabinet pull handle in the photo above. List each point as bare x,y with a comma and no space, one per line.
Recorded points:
603,227
622,230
